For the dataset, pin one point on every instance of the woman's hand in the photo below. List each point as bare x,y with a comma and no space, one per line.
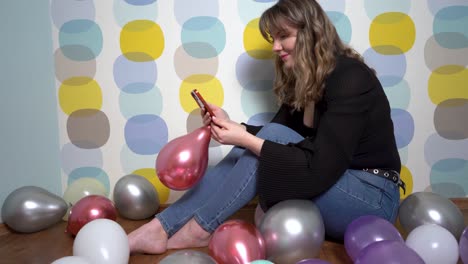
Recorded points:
219,113
228,132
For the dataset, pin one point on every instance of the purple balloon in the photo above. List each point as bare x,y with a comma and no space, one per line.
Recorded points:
388,252
464,246
313,261
366,230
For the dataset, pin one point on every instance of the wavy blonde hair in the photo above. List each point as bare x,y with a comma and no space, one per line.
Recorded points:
315,52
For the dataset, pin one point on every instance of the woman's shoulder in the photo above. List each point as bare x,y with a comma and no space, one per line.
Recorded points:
351,73
351,68
346,63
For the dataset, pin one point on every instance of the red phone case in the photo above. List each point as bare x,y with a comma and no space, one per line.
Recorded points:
201,102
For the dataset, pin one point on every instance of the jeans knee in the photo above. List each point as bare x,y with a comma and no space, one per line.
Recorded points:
279,133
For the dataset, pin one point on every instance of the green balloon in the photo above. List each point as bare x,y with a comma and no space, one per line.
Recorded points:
81,188
261,261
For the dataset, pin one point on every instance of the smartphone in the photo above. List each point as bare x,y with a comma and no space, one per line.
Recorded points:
201,102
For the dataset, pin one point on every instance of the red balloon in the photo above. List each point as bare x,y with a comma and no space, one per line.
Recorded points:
237,241
182,162
89,208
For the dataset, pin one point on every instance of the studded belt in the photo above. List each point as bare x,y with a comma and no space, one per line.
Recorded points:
389,175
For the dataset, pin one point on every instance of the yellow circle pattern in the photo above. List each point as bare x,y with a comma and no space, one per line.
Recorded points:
151,176
392,33
79,93
407,177
142,40
208,86
254,43
448,82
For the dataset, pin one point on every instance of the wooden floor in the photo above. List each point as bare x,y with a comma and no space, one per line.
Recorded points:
48,245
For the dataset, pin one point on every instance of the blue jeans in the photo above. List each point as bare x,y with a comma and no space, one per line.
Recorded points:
231,184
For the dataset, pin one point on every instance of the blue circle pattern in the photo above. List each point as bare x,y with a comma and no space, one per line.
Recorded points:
134,77
80,40
140,100
203,36
125,12
448,157
450,27
146,134
140,2
187,9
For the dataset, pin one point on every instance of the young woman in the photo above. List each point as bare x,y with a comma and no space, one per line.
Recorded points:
331,141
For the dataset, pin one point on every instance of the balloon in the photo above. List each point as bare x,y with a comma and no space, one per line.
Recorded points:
261,261
313,261
236,241
388,252
434,244
293,230
102,241
30,209
135,197
89,208
71,260
430,208
80,188
188,256
463,246
161,189
366,230
259,214
182,162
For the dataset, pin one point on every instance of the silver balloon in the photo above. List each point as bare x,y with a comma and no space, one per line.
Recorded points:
430,208
135,197
30,209
293,230
188,256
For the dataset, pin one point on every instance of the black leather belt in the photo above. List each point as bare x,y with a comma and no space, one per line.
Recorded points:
389,175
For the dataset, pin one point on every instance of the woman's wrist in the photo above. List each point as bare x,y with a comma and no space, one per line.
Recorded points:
254,143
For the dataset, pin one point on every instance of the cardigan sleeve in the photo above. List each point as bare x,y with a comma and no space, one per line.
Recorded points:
306,169
252,129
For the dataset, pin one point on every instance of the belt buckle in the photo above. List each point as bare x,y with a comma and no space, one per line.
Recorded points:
398,181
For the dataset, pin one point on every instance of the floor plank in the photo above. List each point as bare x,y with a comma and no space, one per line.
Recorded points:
53,243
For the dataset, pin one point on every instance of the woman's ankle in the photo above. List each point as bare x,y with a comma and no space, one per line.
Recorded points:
151,238
190,235
198,231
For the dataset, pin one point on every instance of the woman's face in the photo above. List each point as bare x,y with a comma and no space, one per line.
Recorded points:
284,42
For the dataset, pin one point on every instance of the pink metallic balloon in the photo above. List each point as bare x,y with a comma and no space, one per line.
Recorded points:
237,242
182,162
89,208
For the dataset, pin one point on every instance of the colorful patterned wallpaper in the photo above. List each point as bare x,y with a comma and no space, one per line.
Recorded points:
124,70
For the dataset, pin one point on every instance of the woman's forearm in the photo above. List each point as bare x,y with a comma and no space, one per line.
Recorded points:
253,144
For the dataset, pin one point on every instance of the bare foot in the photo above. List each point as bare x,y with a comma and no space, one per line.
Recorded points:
191,235
150,238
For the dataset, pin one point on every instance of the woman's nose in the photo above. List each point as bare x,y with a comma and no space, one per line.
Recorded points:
276,45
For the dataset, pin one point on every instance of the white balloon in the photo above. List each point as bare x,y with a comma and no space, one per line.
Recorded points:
71,260
102,241
434,244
